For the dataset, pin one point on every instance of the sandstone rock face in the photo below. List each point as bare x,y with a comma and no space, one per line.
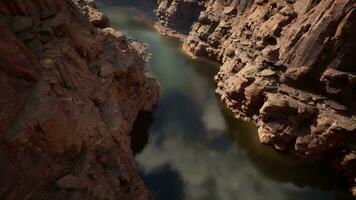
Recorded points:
89,10
178,15
288,66
70,93
174,17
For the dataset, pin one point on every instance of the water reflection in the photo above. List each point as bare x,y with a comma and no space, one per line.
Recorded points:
164,183
196,150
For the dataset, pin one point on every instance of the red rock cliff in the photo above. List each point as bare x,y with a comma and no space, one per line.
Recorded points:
70,93
288,66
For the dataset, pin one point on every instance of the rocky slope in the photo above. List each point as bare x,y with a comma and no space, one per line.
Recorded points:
70,93
176,16
287,65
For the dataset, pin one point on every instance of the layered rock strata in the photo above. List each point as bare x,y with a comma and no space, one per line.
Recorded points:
289,67
177,16
70,93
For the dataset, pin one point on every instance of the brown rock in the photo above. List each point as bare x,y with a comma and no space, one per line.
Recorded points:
286,66
65,131
95,17
20,23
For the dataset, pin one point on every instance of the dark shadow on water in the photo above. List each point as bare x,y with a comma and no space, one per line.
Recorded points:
164,183
179,108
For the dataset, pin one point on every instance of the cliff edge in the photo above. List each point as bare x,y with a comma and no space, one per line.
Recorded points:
288,66
70,93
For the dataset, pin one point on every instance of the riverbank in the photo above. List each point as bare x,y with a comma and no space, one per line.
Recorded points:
301,98
191,130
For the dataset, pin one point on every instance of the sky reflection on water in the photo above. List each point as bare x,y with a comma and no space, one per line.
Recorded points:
195,149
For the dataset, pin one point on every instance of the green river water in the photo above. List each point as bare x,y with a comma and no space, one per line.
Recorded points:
192,148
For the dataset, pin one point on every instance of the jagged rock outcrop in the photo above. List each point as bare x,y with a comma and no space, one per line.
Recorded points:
289,67
89,10
70,94
174,17
177,15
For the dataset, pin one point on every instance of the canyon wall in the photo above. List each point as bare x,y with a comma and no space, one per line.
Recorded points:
144,5
178,16
288,66
70,93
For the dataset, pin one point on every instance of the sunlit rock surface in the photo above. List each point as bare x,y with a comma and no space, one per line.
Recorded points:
288,66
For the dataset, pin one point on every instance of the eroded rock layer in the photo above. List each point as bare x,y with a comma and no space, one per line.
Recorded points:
288,66
70,93
177,15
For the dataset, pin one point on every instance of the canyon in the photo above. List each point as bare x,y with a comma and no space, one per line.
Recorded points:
286,66
71,89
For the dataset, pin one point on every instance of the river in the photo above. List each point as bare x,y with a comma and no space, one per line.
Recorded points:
192,148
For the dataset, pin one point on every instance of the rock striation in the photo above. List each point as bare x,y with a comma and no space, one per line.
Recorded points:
176,16
70,93
288,66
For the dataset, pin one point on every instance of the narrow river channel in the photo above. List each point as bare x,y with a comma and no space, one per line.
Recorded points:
194,148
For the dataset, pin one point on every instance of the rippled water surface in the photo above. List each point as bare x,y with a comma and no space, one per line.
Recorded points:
195,149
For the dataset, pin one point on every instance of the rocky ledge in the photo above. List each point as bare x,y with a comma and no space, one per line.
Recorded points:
175,17
70,93
287,65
